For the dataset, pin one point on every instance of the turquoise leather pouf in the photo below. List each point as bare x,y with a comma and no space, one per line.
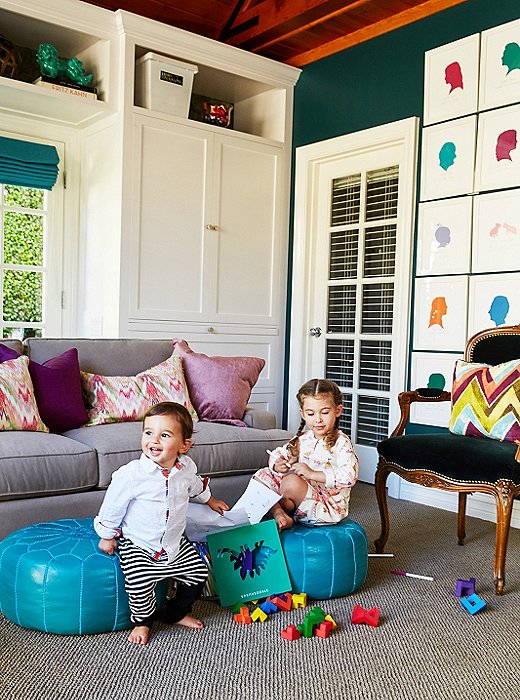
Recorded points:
327,561
54,578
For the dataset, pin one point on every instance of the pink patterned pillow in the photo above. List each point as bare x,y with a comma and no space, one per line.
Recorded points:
118,399
219,387
18,409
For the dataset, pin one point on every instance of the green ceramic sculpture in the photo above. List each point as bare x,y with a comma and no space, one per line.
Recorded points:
52,66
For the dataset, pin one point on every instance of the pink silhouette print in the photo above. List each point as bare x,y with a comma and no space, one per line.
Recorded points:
438,310
510,229
494,231
453,76
506,142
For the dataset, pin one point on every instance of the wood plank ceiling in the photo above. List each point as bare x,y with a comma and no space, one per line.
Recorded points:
296,32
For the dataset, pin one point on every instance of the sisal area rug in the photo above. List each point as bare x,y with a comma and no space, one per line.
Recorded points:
425,647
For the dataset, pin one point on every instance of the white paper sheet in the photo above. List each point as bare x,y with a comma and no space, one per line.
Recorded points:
257,499
201,521
250,508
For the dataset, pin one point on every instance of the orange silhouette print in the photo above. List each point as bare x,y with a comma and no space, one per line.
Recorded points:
438,310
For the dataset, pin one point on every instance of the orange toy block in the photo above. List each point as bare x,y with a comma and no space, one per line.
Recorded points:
258,614
243,616
323,629
299,600
283,604
291,633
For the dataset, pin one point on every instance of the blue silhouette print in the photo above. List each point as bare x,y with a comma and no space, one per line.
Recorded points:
499,309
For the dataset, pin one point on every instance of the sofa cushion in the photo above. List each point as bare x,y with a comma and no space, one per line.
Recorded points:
43,464
219,387
119,398
18,409
103,355
57,388
217,449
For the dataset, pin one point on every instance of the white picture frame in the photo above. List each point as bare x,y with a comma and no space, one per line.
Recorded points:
494,300
444,237
440,313
451,80
500,66
432,370
498,149
496,232
448,158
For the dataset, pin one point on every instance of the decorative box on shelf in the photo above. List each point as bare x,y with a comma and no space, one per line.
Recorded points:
211,111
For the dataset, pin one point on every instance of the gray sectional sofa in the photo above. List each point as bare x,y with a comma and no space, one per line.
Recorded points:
45,476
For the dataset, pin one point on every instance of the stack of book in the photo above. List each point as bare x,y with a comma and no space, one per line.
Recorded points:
89,93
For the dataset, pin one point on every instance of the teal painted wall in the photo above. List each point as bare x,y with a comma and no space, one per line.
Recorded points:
380,81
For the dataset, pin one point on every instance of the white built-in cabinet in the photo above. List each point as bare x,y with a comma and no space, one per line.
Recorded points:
183,226
205,226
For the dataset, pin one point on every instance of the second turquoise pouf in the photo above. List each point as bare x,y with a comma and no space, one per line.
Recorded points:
328,561
54,578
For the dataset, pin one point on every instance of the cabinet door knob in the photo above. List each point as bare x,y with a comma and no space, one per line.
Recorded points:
211,330
213,227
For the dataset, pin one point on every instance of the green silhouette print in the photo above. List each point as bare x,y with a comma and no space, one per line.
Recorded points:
447,155
511,57
436,381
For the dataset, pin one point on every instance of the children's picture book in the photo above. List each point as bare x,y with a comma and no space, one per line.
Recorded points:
248,563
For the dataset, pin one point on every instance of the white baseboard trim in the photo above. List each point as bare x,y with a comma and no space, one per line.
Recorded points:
479,505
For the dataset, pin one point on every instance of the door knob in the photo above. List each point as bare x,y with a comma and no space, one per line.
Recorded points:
315,332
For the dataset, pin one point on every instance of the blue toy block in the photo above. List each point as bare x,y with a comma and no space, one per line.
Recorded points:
268,607
473,603
465,587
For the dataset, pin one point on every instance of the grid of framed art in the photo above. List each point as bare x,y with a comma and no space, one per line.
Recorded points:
468,242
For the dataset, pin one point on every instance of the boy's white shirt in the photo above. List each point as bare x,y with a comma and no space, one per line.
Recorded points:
135,504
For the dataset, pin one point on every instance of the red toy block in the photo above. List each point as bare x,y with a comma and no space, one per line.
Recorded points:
323,630
370,617
291,633
283,602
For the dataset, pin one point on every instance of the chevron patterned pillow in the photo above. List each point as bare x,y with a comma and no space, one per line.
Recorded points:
485,400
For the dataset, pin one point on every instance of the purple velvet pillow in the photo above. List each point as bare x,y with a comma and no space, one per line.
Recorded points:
219,387
57,388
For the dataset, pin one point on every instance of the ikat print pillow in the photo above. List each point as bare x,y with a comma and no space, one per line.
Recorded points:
485,400
119,399
18,409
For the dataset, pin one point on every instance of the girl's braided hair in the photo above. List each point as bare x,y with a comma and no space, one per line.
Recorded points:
316,387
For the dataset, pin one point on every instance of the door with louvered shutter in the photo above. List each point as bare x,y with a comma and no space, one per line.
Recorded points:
358,241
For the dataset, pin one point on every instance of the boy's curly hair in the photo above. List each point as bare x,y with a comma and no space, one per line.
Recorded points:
316,387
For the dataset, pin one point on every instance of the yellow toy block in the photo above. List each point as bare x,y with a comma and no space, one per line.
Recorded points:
329,618
258,614
299,600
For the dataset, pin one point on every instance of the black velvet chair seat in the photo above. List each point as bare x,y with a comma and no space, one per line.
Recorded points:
456,457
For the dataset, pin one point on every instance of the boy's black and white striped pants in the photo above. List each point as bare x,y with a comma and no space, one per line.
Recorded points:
142,573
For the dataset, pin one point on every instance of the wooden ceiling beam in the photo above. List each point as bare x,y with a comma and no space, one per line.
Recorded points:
413,14
270,21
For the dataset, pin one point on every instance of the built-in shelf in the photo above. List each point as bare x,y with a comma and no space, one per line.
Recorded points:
25,99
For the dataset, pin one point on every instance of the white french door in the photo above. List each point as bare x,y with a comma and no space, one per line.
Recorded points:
351,293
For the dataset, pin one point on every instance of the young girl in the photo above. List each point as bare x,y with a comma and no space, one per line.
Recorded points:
314,471
143,515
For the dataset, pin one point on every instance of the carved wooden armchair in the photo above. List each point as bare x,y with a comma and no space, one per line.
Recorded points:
458,462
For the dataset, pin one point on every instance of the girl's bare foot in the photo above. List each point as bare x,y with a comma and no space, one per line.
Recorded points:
189,621
139,635
282,519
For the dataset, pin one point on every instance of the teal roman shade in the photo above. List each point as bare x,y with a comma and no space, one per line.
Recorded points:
28,164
